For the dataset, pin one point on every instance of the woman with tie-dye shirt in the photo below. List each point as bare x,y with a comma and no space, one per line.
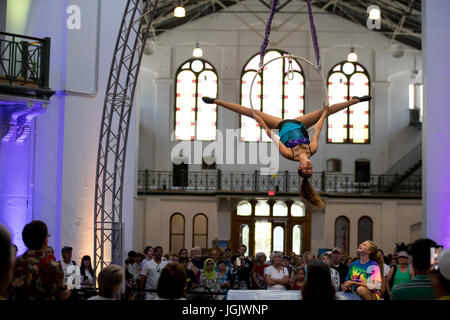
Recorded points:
364,277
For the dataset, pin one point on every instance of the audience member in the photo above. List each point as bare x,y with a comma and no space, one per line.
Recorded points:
299,282
348,262
87,273
148,252
318,286
66,261
222,274
191,279
50,253
151,272
227,258
365,275
400,273
242,249
276,276
183,253
215,254
7,259
198,259
239,273
132,271
110,281
258,271
326,258
298,263
174,258
336,264
420,286
208,276
286,262
440,276
36,277
171,283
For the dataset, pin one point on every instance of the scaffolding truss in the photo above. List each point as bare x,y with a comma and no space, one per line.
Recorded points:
117,107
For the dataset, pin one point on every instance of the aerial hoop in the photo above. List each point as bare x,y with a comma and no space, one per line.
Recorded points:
290,72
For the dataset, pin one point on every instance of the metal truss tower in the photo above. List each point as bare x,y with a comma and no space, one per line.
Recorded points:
133,33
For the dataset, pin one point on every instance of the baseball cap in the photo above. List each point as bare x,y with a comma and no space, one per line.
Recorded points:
444,264
66,248
336,249
403,254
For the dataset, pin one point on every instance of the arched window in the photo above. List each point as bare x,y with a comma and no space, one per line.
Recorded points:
200,234
351,125
176,232
334,165
195,119
342,233
275,92
365,226
266,225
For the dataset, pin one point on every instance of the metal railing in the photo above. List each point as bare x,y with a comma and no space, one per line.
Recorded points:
409,161
24,60
287,182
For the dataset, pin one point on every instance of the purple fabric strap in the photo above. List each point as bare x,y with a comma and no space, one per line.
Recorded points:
296,142
313,33
262,52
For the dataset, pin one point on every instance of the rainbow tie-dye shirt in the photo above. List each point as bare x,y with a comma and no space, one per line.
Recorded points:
365,273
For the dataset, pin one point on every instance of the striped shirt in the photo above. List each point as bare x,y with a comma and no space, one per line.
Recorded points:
419,288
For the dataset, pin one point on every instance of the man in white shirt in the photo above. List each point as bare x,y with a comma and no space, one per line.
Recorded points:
66,261
151,271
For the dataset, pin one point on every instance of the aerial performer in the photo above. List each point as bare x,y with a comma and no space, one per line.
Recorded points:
295,142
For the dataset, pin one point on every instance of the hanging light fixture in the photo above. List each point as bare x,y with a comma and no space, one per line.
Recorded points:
375,13
179,11
197,52
352,56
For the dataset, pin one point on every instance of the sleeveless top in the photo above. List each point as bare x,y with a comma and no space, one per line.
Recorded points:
293,133
401,277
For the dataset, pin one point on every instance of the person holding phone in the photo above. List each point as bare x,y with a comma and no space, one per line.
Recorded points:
419,288
440,276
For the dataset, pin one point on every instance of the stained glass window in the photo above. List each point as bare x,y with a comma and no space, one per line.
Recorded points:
195,119
200,234
297,239
351,125
176,232
276,91
364,229
278,239
342,233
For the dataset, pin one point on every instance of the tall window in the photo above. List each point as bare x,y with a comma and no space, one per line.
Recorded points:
416,98
365,226
275,91
351,125
342,233
200,234
195,119
176,232
269,225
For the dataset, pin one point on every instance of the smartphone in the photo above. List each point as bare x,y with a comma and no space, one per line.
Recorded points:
238,262
434,257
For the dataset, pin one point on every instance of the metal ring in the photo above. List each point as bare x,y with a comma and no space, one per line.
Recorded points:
324,82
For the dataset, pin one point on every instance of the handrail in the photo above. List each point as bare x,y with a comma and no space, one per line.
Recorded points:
407,162
282,182
20,36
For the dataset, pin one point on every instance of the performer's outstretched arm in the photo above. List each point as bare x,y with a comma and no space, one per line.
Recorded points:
314,145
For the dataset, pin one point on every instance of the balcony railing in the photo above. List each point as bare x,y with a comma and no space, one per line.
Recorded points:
24,60
284,182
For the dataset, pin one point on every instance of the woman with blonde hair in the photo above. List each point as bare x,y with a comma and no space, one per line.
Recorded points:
110,281
365,276
293,135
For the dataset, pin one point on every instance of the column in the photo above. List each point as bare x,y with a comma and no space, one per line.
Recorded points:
436,129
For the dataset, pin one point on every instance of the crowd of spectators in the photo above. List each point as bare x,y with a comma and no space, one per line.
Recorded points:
406,274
